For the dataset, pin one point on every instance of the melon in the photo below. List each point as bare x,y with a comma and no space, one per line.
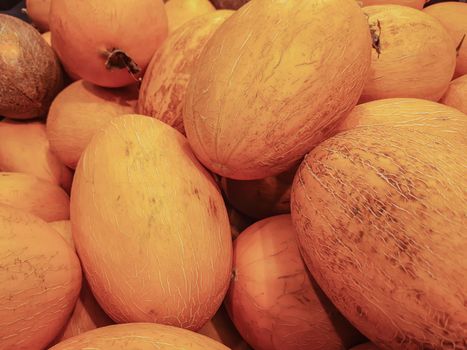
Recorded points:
79,111
25,149
180,12
380,212
47,37
229,4
262,92
452,16
38,11
141,336
28,193
108,43
164,85
418,4
273,301
456,96
31,73
150,226
40,278
413,55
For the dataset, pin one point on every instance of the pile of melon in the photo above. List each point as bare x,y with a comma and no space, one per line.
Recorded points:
263,175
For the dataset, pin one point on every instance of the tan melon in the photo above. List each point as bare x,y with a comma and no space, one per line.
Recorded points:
180,12
164,85
40,278
380,211
272,300
452,16
141,336
79,111
25,149
456,96
150,226
413,55
63,227
418,4
35,196
262,93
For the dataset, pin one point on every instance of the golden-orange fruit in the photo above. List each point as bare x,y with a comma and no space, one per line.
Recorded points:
30,194
262,92
380,212
63,227
416,56
40,278
79,111
25,149
272,296
47,37
453,17
103,41
140,336
38,11
164,85
180,12
221,329
150,226
456,96
418,4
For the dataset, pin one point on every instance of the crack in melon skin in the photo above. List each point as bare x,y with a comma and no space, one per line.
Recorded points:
380,214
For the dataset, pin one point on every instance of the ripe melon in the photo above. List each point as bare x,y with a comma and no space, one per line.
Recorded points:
30,194
40,278
413,55
380,211
150,226
38,11
79,111
453,16
456,96
418,4
25,149
180,12
108,43
272,81
273,301
164,85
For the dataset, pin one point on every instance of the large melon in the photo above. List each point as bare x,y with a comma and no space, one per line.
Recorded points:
140,336
456,96
150,226
40,278
380,211
272,81
273,301
413,55
164,85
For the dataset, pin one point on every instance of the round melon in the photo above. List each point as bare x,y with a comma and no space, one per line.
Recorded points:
262,92
418,4
63,227
108,43
456,96
26,149
452,16
164,85
141,336
38,11
380,211
229,4
273,301
180,12
413,55
30,72
150,226
40,278
28,193
79,111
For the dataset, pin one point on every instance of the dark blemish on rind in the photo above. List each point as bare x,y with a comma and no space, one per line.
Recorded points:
196,193
212,207
153,200
118,198
375,37
127,151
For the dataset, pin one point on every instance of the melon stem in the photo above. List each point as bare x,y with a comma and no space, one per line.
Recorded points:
118,59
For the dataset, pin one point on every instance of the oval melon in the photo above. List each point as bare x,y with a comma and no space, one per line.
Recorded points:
164,85
150,226
40,278
456,96
273,301
262,93
25,149
79,111
141,336
35,196
414,56
180,12
380,212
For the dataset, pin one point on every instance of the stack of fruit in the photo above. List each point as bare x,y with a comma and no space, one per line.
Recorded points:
264,174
